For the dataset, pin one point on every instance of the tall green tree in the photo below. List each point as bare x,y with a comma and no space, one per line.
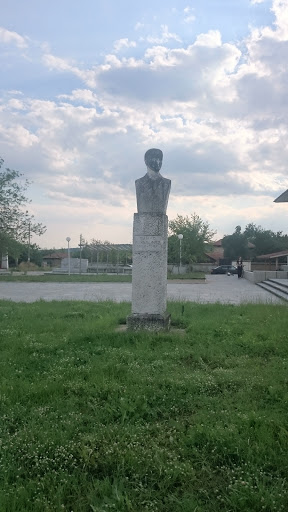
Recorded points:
265,240
16,224
196,235
11,246
252,242
235,245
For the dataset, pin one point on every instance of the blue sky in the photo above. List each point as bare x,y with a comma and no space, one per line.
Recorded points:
86,88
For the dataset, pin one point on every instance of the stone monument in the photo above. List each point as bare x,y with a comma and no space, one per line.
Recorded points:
150,241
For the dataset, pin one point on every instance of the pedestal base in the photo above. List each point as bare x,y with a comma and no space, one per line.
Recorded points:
148,322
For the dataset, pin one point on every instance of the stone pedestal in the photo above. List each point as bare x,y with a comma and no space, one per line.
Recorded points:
149,273
153,323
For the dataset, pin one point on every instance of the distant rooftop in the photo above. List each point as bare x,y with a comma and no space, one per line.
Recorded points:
55,255
273,255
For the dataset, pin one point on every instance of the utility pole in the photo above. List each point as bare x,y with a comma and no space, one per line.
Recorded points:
180,237
29,241
68,240
82,244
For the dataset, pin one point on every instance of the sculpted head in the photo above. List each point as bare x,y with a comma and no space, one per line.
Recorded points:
153,159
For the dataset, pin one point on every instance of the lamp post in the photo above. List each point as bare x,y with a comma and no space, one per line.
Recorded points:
180,252
68,240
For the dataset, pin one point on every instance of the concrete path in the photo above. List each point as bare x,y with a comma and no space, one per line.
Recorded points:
217,288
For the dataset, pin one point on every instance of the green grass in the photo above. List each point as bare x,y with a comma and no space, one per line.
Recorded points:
73,278
88,278
98,420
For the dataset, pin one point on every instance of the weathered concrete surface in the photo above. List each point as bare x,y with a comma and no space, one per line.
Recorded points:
262,275
149,322
223,289
149,273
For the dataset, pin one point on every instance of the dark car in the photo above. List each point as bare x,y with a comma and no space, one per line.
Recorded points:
224,269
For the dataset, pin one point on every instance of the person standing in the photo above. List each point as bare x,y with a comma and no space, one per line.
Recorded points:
239,267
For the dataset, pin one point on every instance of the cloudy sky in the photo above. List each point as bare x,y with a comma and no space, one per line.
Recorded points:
87,87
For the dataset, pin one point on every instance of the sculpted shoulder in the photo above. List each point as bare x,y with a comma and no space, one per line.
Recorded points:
152,190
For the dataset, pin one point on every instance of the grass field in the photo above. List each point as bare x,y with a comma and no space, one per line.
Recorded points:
88,278
96,420
73,278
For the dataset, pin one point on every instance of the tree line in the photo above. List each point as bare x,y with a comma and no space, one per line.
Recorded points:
17,227
253,241
197,241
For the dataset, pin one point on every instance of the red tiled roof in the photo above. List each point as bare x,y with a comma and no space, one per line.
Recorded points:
217,243
55,256
214,255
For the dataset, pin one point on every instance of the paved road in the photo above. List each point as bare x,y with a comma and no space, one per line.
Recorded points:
217,288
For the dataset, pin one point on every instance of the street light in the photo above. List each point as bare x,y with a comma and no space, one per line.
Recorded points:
180,258
68,240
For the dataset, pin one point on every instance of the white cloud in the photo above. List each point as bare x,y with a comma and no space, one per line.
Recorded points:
9,37
85,96
16,134
15,93
179,74
189,19
16,104
59,64
123,43
280,9
165,36
139,25
211,39
188,16
217,110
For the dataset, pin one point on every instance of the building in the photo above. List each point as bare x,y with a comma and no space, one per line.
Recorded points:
216,255
54,259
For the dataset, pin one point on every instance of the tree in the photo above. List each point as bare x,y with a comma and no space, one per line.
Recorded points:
196,235
34,253
10,245
253,242
16,225
265,240
235,245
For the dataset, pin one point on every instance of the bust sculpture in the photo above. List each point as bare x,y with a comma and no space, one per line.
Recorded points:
152,191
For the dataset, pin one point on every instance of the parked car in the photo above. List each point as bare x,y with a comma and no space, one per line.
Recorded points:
224,269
